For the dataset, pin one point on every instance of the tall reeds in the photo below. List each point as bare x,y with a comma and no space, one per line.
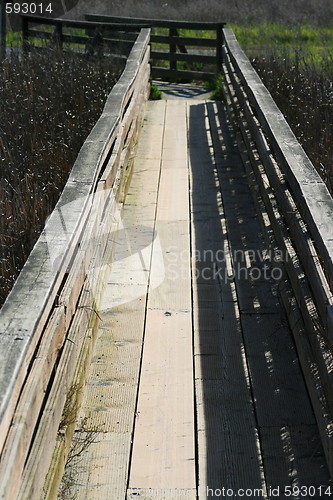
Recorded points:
301,85
48,103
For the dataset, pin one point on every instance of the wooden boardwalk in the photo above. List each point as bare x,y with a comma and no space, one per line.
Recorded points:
194,384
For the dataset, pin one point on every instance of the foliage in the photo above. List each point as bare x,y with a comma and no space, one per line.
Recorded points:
216,87
48,104
260,38
155,93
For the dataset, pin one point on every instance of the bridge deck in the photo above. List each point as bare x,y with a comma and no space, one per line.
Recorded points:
194,381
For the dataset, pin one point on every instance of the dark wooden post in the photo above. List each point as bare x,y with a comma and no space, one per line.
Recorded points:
2,29
58,33
219,50
173,48
25,35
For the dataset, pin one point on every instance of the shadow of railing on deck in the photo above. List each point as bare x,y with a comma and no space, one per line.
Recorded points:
256,428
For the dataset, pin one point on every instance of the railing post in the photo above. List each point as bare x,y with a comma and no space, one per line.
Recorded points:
173,48
2,29
97,43
219,51
25,35
58,34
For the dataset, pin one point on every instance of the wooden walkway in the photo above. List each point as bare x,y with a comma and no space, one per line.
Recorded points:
195,389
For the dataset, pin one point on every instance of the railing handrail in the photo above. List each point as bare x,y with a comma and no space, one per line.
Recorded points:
158,23
71,23
299,170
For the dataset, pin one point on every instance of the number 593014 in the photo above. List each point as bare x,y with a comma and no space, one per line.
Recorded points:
28,8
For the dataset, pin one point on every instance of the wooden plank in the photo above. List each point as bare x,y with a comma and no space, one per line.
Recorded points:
170,273
173,202
41,452
303,458
161,493
175,136
158,72
154,22
189,58
96,477
163,448
150,144
26,414
228,441
84,24
184,40
227,434
163,454
263,340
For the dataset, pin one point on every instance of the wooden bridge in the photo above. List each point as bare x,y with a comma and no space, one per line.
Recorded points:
171,333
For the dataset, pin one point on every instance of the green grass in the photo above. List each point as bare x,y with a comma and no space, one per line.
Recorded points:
274,36
155,93
216,88
14,39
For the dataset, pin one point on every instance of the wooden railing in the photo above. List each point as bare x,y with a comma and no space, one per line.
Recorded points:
300,212
48,322
179,43
38,31
183,48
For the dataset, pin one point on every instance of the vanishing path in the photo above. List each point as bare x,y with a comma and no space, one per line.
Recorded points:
195,383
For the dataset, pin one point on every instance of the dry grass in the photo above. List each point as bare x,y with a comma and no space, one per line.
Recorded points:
48,104
301,85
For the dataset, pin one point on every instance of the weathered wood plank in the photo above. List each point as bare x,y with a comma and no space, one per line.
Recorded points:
161,493
163,454
155,22
227,434
163,448
96,477
26,414
42,448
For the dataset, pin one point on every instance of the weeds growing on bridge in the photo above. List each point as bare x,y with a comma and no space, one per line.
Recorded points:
48,104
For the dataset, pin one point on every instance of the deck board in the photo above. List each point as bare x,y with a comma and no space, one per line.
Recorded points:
163,453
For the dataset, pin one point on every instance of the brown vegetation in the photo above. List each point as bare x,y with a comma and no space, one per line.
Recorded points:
48,104
302,88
